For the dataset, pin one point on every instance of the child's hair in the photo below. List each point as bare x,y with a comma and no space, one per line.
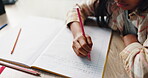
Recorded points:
103,16
101,12
143,6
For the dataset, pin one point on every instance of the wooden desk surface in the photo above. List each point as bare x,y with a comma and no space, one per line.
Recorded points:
52,9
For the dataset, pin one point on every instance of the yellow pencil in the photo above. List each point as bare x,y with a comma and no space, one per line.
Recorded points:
16,41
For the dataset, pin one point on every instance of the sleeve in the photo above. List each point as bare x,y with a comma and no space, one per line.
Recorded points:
86,9
135,56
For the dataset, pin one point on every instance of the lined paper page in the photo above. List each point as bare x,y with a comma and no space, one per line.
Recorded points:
36,34
60,58
7,41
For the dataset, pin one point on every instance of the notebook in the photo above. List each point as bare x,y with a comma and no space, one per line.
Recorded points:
46,44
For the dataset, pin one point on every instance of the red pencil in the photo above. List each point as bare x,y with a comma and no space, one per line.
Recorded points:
1,69
20,68
82,28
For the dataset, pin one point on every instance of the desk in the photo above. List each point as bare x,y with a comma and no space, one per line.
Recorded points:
51,8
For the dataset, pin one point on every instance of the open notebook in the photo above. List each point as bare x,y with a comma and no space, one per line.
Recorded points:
47,44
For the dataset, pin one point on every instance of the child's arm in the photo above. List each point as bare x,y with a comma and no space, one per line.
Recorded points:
81,45
135,54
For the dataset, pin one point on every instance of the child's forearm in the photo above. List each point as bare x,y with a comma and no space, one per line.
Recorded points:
130,38
75,28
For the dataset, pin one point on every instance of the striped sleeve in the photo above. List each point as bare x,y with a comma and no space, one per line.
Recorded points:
86,9
135,55
135,59
142,27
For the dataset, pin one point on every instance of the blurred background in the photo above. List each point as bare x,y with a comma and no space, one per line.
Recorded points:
21,9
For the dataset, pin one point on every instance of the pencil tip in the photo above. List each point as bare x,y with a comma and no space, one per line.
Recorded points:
89,59
11,52
38,74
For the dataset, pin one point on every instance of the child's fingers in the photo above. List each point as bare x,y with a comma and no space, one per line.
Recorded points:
89,41
83,43
78,53
79,48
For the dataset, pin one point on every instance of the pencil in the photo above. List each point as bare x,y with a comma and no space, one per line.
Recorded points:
82,28
3,26
1,69
20,68
16,41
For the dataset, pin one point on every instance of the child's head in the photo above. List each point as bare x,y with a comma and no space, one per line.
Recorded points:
128,4
101,9
131,5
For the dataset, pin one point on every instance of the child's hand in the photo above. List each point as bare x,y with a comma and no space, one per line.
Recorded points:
82,45
130,38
